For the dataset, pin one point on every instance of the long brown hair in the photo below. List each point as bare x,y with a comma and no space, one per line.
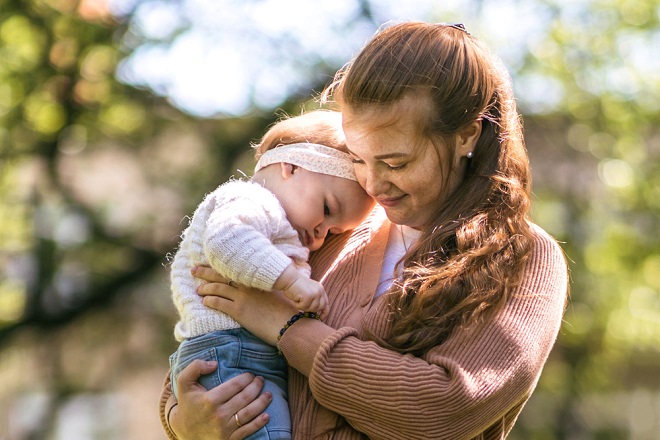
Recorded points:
467,261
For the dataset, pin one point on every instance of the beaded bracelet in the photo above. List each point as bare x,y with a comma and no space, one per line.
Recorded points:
289,323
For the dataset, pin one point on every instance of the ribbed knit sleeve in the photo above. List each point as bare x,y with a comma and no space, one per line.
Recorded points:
473,385
165,405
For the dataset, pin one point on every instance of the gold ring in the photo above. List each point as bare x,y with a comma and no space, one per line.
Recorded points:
238,423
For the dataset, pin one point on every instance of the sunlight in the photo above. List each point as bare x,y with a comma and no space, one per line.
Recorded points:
230,57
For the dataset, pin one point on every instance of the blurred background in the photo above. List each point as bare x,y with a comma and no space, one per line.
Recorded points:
117,116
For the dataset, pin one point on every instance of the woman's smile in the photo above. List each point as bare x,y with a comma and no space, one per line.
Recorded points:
390,202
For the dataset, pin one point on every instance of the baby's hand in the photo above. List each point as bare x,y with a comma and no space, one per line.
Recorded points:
307,295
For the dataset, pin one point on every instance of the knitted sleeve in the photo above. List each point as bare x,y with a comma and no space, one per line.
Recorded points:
245,222
476,380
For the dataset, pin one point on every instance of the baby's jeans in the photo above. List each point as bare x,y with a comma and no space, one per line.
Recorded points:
238,351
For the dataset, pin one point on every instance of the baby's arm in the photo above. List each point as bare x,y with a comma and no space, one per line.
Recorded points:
308,295
244,222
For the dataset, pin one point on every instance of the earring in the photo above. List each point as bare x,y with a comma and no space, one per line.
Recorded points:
469,154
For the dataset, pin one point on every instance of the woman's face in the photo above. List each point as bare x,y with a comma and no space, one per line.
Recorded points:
406,173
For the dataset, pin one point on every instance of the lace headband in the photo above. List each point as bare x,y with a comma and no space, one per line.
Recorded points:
312,157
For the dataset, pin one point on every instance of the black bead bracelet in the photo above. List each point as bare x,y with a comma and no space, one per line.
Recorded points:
289,323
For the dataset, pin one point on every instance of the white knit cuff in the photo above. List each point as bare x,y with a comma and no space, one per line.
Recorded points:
269,271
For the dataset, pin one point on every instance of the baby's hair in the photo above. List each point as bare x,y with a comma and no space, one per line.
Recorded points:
316,127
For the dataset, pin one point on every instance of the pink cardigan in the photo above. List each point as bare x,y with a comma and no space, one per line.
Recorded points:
472,386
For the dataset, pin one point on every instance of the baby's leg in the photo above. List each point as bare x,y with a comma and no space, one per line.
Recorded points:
263,360
238,351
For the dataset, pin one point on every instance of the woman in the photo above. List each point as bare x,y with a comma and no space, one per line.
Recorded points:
454,346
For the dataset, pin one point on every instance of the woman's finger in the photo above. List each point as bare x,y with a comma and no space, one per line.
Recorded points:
215,409
251,403
237,392
189,376
216,289
208,274
224,305
245,428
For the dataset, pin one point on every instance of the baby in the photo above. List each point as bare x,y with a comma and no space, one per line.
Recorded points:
259,233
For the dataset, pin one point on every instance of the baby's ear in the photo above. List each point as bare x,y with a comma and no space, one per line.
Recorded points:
287,170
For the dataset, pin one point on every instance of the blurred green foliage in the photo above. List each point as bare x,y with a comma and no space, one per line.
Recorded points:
97,175
63,114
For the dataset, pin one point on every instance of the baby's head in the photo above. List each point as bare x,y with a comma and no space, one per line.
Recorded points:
303,161
316,127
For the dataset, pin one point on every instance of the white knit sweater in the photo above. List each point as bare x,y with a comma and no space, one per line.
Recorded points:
241,231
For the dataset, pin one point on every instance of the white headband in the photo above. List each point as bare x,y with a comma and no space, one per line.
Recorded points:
312,157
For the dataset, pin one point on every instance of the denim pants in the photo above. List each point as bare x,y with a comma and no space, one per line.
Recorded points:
238,351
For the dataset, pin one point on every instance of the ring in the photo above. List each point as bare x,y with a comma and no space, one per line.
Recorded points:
238,423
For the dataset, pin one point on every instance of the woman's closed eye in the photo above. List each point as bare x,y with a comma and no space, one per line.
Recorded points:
396,167
326,209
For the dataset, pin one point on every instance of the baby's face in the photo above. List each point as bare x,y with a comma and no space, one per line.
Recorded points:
318,204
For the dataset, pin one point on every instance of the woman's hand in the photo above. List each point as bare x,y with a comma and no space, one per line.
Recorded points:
232,410
262,314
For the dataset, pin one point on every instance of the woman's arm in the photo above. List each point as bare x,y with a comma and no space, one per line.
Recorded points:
165,405
202,414
475,382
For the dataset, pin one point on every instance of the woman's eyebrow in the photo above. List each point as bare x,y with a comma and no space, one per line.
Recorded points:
390,156
394,155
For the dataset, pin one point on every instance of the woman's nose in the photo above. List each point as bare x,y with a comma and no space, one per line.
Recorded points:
374,183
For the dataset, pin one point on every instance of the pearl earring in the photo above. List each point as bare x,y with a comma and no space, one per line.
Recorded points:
469,154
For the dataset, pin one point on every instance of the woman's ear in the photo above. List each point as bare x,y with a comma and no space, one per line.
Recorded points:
466,139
